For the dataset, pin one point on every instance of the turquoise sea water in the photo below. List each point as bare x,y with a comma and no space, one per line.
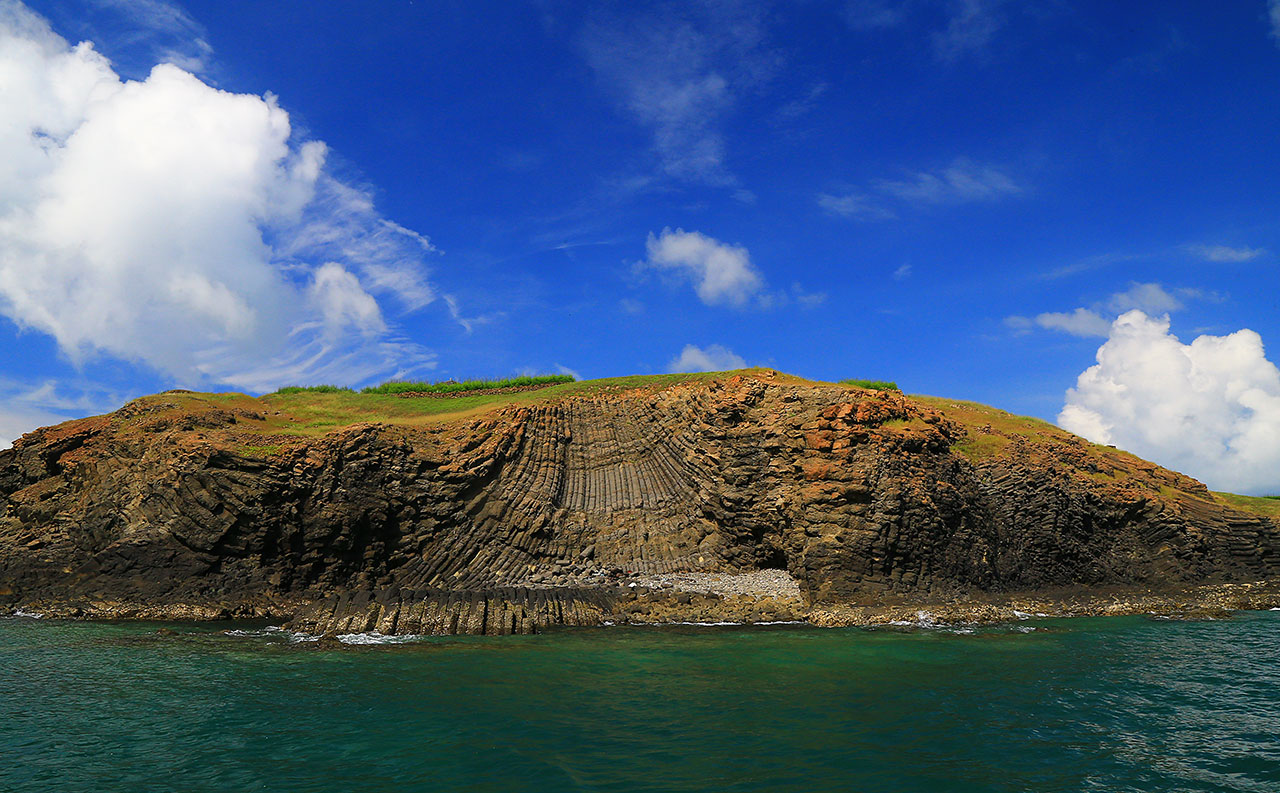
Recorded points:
1118,704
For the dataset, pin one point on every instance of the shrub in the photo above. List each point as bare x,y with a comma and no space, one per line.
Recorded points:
874,385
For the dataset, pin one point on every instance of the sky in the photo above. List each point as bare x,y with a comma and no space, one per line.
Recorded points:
1063,209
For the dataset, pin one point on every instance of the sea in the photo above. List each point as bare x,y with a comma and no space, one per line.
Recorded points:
1083,704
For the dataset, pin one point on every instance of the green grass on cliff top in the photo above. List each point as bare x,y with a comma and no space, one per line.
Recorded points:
1265,505
310,411
316,410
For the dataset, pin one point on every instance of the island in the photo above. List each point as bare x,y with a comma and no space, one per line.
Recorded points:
748,496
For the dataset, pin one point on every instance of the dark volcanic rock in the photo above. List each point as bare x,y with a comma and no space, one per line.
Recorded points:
522,518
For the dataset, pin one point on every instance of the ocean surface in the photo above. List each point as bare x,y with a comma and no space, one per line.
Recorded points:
1108,704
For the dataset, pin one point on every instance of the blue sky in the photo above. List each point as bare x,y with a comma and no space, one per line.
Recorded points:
959,195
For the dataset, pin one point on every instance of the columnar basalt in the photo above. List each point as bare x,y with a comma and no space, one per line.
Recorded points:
541,513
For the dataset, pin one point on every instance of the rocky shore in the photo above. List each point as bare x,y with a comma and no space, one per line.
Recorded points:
642,605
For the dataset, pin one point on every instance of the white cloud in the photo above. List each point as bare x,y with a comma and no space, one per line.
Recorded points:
805,298
1224,253
721,273
1273,12
1150,298
169,223
1081,322
1210,408
961,181
566,370
874,14
17,421
970,25
677,70
714,358
970,28
171,33
854,205
902,273
26,406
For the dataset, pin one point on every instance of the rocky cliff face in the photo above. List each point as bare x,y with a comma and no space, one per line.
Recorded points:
567,508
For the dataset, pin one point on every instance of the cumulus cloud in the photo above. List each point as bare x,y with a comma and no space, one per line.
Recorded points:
1210,408
714,358
722,274
165,222
677,69
1225,253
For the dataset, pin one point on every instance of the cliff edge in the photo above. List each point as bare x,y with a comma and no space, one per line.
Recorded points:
745,496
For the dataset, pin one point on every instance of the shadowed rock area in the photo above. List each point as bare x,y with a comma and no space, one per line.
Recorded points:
589,504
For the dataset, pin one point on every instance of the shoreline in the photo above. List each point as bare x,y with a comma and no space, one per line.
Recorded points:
676,608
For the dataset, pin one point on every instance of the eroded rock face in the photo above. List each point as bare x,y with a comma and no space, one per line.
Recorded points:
536,515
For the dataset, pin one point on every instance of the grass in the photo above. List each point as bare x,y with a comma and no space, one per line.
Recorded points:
309,413
991,430
874,385
451,387
1268,506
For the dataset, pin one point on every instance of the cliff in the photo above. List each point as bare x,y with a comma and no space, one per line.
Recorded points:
644,499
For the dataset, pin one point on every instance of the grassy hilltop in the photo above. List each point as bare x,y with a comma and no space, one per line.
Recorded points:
294,413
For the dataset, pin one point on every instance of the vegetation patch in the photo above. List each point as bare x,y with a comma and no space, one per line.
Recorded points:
978,447
453,386
873,385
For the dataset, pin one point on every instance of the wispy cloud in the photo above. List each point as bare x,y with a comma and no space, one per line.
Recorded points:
1096,320
677,69
875,14
802,106
969,26
1273,13
24,406
856,205
1224,253
163,29
963,181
